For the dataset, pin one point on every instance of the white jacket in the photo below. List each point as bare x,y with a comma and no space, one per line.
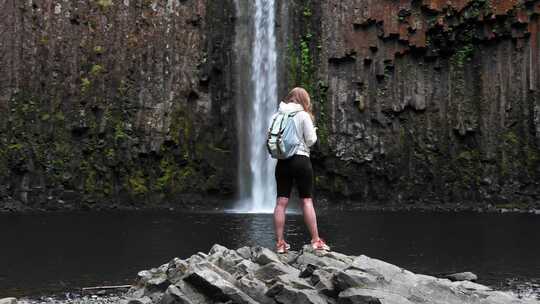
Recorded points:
304,126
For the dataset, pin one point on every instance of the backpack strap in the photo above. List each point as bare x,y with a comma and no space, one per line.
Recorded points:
292,114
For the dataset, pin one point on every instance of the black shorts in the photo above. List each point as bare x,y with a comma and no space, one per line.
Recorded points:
296,169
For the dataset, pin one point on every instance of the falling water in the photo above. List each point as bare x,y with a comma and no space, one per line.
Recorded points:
259,195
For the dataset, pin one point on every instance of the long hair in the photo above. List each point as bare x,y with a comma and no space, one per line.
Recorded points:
301,97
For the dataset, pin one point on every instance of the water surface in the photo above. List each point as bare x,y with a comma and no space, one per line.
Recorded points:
42,254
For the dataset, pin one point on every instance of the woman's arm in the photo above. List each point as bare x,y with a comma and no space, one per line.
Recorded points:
310,134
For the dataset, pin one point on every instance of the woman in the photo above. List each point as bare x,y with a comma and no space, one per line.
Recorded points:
297,169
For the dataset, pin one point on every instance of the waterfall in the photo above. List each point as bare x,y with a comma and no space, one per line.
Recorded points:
257,185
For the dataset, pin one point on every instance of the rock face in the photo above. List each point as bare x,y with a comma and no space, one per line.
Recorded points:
417,102
257,275
425,102
115,101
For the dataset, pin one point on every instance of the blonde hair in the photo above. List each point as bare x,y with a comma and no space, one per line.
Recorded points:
300,96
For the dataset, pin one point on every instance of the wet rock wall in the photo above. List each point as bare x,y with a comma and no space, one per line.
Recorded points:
418,102
115,101
424,102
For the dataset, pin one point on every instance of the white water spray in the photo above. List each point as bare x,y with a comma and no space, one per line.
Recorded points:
259,196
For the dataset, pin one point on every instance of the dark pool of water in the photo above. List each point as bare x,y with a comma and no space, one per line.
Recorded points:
42,254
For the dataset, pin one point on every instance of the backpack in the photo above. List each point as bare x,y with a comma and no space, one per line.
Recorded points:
283,141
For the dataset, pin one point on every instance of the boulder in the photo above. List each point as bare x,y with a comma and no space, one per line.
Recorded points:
462,276
8,301
215,287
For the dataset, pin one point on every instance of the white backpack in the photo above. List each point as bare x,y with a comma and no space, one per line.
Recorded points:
283,141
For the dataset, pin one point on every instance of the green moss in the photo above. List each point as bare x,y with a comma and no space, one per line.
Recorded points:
15,147
85,84
96,70
119,132
98,49
137,183
510,138
468,168
512,205
167,174
104,3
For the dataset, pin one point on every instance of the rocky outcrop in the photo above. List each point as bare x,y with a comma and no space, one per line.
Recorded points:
423,102
258,275
115,101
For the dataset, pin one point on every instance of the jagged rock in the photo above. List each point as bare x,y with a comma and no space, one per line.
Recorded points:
143,300
245,267
177,268
173,295
8,301
254,288
348,278
264,256
294,281
463,276
288,295
308,270
273,270
244,252
231,276
369,296
322,280
216,287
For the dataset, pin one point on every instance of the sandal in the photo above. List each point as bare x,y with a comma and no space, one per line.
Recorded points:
320,245
282,247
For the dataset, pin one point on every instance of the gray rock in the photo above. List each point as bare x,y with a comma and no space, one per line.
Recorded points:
462,276
217,249
319,258
177,268
254,288
173,295
8,301
370,296
288,295
143,300
273,270
348,278
322,280
294,281
245,267
192,293
264,256
308,270
243,276
215,287
244,252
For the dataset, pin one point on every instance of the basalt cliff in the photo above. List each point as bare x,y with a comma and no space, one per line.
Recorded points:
418,103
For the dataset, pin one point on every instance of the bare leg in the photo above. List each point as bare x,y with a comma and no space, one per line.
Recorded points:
310,218
279,217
